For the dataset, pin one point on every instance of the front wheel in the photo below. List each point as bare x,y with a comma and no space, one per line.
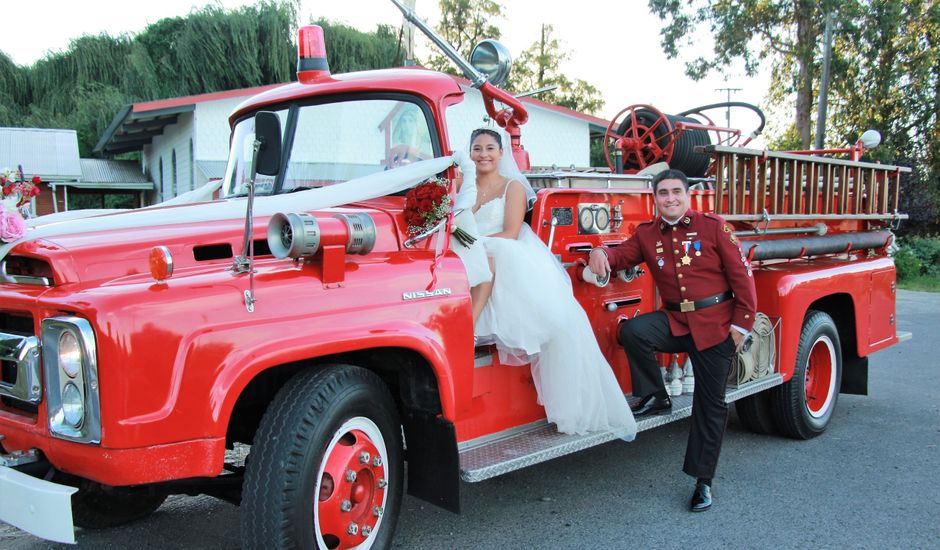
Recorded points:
803,406
326,467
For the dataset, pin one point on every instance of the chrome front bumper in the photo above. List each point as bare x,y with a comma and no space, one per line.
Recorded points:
39,507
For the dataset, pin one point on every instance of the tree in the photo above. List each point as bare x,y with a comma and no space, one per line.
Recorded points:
786,33
540,66
353,50
464,23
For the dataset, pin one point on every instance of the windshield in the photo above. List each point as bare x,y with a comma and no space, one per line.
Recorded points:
333,143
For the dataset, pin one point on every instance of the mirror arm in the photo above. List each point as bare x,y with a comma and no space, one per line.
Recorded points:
475,77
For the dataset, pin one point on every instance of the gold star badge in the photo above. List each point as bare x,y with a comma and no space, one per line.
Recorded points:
686,260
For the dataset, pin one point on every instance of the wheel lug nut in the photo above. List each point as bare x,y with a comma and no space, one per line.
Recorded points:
382,483
377,461
377,511
353,529
364,457
366,530
350,475
345,506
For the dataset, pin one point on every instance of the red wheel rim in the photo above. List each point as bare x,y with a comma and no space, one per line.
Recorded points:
640,146
351,491
820,377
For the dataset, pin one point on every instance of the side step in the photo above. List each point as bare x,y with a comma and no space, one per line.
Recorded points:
520,447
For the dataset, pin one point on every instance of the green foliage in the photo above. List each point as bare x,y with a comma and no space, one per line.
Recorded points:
918,262
539,66
353,50
209,50
907,265
463,24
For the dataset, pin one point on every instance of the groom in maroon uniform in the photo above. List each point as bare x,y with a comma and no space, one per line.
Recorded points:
709,302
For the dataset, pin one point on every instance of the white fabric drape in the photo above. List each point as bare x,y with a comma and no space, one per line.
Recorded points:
359,189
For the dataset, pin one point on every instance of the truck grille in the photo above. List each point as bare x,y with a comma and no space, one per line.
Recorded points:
19,324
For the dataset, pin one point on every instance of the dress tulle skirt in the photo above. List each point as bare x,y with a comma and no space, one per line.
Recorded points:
533,317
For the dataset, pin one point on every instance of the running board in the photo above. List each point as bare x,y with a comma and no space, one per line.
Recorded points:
540,441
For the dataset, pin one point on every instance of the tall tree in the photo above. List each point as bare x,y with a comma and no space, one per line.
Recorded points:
463,24
786,33
540,66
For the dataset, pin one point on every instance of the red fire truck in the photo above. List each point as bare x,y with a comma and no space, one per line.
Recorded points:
146,353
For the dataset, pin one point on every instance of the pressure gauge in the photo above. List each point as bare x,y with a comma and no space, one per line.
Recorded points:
601,219
586,221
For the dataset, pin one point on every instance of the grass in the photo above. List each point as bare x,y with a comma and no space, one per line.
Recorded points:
921,283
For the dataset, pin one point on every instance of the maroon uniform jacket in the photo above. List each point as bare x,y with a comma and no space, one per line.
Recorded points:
696,258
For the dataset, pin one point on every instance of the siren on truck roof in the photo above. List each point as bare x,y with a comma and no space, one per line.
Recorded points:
312,64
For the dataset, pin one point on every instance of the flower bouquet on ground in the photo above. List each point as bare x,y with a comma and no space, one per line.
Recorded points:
426,205
14,204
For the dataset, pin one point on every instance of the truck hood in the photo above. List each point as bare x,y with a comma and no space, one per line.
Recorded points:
111,245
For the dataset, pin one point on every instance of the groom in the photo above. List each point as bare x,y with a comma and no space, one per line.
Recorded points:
709,303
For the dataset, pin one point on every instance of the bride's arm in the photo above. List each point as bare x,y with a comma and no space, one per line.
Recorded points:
514,213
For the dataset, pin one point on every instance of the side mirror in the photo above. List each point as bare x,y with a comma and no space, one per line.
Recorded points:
493,60
268,134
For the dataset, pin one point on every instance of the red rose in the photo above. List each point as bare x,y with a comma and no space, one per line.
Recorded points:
37,180
426,205
7,190
34,191
439,192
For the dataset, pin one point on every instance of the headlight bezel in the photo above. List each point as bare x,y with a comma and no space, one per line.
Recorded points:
88,428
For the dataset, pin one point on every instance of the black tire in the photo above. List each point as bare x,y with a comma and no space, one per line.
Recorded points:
324,421
804,405
97,507
756,414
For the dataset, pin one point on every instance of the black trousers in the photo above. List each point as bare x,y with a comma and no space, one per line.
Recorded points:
647,334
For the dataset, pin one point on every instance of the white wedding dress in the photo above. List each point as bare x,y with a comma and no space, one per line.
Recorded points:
532,317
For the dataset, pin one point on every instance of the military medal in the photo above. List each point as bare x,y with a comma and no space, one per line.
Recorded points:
660,262
686,260
698,247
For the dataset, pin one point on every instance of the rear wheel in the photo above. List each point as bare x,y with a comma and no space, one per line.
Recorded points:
803,406
325,470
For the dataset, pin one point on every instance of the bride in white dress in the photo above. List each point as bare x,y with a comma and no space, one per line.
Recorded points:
528,309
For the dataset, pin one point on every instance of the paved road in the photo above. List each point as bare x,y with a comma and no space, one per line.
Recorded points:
871,481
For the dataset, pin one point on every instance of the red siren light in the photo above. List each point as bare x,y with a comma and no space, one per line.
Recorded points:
311,54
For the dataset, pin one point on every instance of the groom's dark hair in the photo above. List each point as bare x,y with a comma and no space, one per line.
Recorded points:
492,133
670,175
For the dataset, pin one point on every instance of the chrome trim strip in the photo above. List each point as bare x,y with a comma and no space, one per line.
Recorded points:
21,279
23,351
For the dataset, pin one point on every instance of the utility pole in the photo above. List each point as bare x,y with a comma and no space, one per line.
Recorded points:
824,85
409,38
728,108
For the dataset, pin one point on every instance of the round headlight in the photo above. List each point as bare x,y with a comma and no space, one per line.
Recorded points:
70,354
73,408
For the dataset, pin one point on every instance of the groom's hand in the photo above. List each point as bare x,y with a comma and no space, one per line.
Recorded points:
597,262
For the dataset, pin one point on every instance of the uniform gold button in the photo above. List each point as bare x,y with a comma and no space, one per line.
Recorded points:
677,251
675,240
677,265
673,228
680,275
747,316
682,288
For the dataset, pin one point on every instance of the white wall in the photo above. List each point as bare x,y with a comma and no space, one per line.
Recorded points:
175,137
551,138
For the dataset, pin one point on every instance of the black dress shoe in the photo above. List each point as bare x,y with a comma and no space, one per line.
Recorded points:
701,498
651,404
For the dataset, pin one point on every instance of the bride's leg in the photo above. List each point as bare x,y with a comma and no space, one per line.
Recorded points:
480,294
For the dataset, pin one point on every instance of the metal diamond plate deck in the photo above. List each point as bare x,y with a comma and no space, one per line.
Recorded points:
541,441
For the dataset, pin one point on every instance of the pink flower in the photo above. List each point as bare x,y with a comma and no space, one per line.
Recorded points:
12,226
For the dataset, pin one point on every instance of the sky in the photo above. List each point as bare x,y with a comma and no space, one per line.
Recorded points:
613,44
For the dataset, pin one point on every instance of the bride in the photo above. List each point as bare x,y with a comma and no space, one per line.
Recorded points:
527,308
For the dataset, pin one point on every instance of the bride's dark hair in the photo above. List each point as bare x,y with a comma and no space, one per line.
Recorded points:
492,133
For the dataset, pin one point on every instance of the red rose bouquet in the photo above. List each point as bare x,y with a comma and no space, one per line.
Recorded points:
426,205
14,203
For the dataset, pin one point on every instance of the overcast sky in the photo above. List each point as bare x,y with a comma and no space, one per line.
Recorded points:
613,44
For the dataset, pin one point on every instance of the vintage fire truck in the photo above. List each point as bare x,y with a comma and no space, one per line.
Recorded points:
296,319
